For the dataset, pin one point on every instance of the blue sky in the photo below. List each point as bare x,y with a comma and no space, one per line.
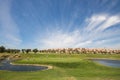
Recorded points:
46,24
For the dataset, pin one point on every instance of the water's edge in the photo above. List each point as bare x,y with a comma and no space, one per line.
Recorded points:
8,65
107,62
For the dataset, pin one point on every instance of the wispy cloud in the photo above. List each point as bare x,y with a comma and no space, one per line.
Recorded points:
109,22
92,35
60,39
101,22
9,32
95,21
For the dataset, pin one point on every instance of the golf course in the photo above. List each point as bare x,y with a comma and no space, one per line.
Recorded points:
59,39
63,67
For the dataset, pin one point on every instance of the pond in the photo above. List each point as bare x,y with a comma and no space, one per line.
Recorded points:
108,62
5,65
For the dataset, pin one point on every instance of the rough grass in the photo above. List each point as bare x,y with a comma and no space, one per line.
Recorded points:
65,67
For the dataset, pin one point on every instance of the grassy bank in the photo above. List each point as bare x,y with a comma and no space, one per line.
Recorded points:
65,67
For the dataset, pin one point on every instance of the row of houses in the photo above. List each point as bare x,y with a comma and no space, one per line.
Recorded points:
81,51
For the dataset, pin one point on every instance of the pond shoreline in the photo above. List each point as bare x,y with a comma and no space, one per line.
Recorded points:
104,58
48,66
114,63
8,64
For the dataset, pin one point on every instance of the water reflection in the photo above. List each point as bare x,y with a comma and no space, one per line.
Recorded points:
108,62
5,65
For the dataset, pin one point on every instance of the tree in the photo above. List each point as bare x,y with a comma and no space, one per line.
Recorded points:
2,49
16,50
35,50
28,50
8,50
23,50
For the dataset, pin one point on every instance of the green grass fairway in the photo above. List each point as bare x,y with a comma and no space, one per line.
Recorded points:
65,67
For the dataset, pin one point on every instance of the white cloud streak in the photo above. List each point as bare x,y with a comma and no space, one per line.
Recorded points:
102,22
95,21
112,20
91,36
9,30
59,39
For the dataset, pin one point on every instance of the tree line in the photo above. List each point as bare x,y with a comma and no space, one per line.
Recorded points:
8,50
63,50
